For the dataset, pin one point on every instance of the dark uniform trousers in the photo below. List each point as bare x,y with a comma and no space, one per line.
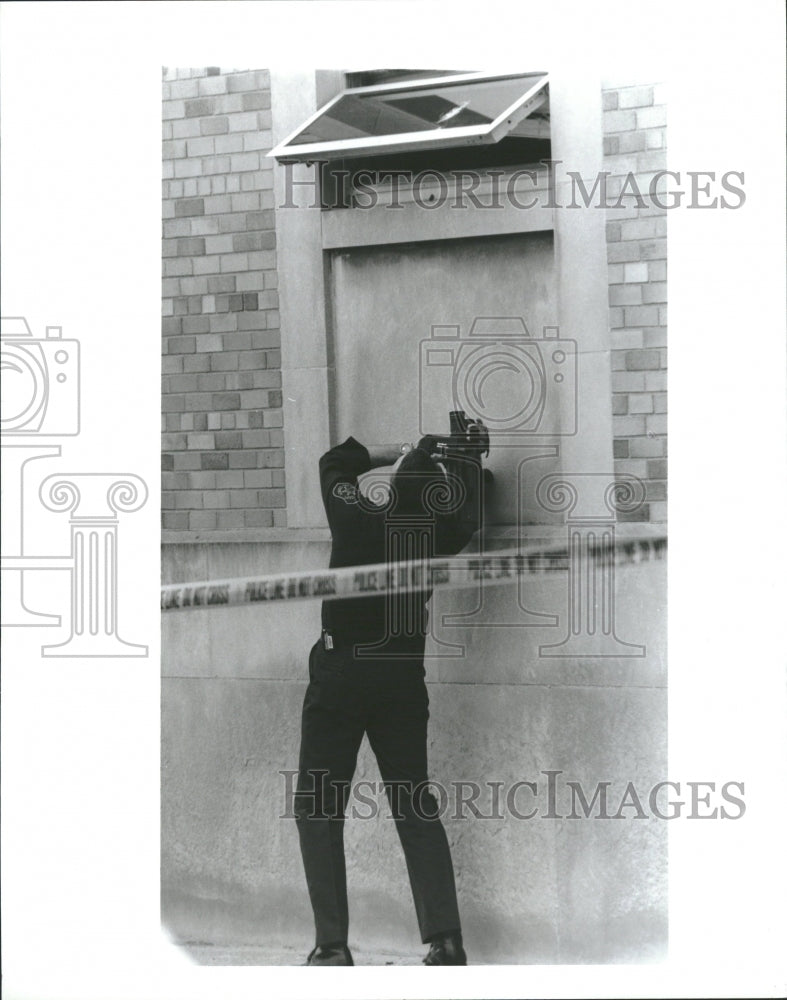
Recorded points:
387,700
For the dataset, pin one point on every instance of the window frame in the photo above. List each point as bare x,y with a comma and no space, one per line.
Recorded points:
533,98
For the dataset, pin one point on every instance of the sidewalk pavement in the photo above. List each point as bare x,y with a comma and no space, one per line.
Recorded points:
209,954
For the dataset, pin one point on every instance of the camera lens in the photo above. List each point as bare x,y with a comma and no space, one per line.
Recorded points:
501,385
23,388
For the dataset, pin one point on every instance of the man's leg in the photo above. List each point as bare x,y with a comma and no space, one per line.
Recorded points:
331,733
397,734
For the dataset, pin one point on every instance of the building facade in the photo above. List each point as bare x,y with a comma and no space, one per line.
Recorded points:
289,324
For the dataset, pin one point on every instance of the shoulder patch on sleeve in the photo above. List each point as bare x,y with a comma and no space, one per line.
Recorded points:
347,492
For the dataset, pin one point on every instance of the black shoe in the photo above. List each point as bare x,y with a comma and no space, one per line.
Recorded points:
334,954
446,949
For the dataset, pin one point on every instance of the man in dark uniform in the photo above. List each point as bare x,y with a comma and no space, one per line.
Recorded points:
367,677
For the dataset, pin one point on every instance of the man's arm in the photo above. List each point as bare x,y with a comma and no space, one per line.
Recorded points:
386,454
343,464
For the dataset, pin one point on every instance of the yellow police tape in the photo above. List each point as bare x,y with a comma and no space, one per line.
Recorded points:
403,577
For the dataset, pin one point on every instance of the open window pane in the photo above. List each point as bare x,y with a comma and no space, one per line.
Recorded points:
430,114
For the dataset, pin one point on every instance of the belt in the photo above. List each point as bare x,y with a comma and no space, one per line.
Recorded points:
333,640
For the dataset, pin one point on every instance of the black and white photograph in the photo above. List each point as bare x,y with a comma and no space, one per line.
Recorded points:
416,272
344,623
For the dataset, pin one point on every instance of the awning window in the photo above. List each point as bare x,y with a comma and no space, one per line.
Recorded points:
466,110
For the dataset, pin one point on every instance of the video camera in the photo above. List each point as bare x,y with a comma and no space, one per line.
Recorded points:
466,438
461,452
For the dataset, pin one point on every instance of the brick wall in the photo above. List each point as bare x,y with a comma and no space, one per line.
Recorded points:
223,447
222,425
635,142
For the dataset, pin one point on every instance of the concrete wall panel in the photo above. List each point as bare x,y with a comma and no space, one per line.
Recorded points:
531,890
264,640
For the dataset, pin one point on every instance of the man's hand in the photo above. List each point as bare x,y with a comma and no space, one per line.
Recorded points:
428,443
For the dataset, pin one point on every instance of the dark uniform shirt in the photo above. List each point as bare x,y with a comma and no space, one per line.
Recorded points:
362,534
